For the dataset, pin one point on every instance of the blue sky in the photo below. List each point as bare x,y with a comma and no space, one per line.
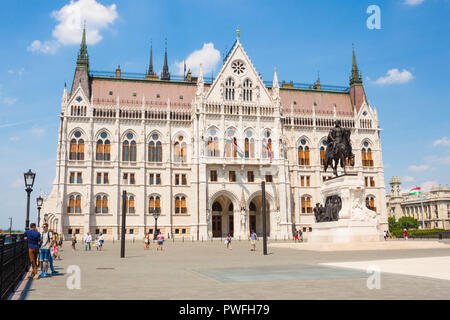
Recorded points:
405,67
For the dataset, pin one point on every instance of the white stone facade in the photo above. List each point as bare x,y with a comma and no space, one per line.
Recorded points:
251,112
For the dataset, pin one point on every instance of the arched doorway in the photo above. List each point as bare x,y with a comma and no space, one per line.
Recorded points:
222,218
255,216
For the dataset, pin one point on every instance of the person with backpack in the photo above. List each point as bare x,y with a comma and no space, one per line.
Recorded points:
44,252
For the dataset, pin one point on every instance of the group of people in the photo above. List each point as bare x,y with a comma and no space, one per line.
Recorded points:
43,247
298,236
159,241
98,244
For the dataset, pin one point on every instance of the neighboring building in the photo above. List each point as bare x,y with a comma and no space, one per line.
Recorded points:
436,205
171,145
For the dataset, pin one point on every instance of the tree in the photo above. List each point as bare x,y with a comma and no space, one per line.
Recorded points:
408,223
392,223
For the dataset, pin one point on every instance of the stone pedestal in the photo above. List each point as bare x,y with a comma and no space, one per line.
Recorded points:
356,222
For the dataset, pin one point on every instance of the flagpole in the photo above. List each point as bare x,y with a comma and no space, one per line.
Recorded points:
421,205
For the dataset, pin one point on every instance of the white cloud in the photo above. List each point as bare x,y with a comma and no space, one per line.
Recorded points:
9,101
413,2
38,131
395,76
70,20
15,138
427,185
419,168
408,179
442,142
208,56
18,72
43,47
437,159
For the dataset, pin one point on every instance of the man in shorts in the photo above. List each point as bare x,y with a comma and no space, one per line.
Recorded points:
44,252
253,238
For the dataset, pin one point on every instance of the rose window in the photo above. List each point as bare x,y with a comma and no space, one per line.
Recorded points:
238,67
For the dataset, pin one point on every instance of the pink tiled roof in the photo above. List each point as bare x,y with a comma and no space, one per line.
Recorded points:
124,89
304,102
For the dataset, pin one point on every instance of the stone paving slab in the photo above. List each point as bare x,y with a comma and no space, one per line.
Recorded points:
364,246
192,271
435,267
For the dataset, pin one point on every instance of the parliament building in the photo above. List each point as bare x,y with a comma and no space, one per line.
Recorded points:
195,151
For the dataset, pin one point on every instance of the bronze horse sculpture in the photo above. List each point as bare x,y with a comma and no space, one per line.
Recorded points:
339,149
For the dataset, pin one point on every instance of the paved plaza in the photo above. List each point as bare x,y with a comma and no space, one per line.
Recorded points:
207,270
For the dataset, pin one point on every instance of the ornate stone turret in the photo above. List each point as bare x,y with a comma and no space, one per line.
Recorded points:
395,184
275,86
355,78
317,83
165,75
81,76
200,82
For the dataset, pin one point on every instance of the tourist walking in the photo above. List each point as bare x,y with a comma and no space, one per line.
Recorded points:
44,252
101,240
33,238
160,241
228,241
300,235
146,241
87,241
385,234
296,236
55,250
405,234
74,242
253,238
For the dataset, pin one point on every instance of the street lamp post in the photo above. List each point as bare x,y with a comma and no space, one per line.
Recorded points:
156,216
10,226
263,209
39,202
29,181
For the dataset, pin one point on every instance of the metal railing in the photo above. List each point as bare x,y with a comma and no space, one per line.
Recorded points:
14,263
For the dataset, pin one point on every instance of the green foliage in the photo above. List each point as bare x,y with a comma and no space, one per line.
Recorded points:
421,232
408,223
392,223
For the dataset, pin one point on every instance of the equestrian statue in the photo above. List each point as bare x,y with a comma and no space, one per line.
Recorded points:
339,148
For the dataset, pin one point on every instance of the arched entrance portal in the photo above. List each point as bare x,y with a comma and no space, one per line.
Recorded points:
222,219
255,221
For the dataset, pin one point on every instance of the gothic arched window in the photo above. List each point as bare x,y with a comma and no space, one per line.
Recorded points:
370,203
247,91
303,153
267,145
229,89
76,147
213,143
129,148
155,149
103,150
101,204
306,204
154,204
179,150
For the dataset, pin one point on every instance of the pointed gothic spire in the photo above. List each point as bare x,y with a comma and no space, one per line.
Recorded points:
165,75
200,81
64,96
83,58
150,72
238,33
355,78
275,86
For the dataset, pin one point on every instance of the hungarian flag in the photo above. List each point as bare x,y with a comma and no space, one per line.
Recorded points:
236,147
415,190
267,147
